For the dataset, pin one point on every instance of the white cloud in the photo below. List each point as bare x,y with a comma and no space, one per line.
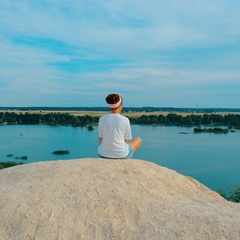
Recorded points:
154,48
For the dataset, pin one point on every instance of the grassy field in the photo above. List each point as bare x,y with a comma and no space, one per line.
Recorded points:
128,114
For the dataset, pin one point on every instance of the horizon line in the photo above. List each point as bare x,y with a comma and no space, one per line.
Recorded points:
105,107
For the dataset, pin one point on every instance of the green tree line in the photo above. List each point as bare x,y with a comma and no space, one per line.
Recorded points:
172,119
48,119
8,164
233,193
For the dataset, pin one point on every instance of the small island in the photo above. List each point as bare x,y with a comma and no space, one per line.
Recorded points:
211,130
60,152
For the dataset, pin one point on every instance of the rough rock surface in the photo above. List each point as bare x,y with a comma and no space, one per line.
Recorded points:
110,199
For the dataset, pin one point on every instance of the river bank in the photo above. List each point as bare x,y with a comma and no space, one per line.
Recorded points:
126,112
86,118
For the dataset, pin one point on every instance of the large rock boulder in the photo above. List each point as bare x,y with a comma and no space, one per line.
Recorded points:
110,199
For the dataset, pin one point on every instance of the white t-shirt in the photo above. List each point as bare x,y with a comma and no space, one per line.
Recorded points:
114,129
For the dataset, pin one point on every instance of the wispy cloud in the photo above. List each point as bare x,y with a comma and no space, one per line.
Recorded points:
157,53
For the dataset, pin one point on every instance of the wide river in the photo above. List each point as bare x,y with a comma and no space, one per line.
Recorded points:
212,159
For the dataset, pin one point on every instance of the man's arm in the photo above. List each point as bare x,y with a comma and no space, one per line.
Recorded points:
100,140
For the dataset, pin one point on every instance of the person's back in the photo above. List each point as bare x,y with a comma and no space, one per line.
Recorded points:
115,131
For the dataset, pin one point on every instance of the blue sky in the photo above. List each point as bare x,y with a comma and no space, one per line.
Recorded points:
162,53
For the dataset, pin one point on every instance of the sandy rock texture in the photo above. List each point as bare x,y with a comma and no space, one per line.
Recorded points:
110,199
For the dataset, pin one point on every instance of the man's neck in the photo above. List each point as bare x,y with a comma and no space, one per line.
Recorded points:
117,110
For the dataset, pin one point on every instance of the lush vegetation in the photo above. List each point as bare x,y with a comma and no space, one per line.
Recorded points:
230,120
8,164
232,195
49,119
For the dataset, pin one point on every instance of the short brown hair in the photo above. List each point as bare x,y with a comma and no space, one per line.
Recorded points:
112,98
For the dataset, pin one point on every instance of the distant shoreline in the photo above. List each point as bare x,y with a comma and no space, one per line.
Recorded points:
91,118
129,112
135,109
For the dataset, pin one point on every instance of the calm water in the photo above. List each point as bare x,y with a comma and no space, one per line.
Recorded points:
212,159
